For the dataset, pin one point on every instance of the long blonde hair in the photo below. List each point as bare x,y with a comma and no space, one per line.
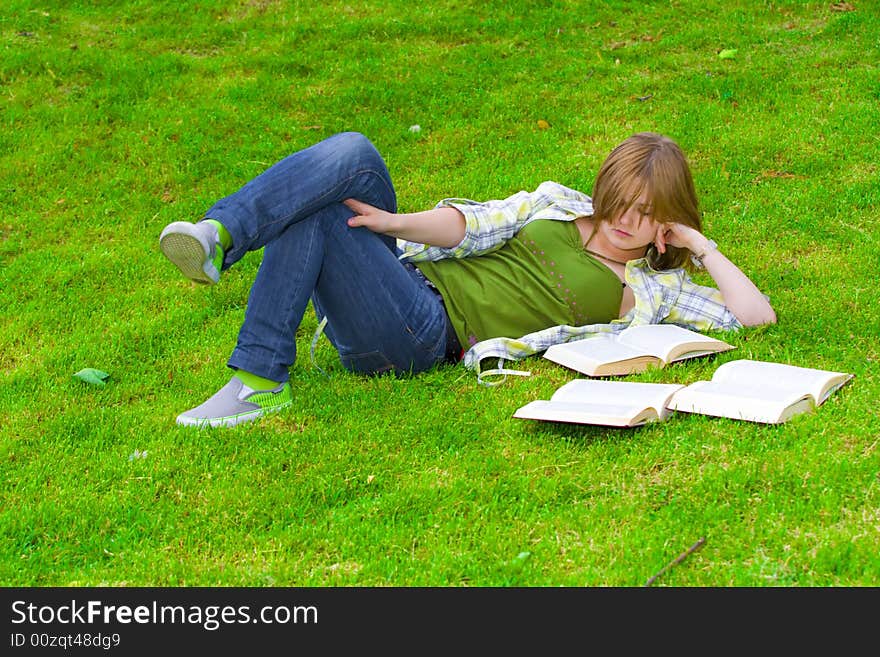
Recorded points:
652,163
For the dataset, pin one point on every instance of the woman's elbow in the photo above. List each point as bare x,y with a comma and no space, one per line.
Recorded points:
760,318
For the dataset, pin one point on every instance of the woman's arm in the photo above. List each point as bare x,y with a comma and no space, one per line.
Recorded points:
438,227
740,294
480,227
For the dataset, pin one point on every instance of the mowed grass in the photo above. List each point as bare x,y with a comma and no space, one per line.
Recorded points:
119,117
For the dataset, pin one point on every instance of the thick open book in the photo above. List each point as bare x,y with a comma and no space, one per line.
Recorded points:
752,390
633,349
610,403
759,391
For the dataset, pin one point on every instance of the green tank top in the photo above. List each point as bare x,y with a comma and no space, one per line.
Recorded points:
542,277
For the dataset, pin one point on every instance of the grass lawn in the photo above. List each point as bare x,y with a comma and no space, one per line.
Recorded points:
120,117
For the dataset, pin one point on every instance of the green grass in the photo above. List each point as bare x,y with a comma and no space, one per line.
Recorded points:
119,117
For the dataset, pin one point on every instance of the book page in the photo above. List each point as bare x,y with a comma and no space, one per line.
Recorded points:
819,384
755,402
662,340
587,354
617,393
620,415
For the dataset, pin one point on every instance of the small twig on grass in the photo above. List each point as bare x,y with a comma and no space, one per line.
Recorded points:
681,557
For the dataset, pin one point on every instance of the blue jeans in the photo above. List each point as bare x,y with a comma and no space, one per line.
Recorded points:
381,315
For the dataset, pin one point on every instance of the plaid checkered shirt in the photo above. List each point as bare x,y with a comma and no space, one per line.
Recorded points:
660,296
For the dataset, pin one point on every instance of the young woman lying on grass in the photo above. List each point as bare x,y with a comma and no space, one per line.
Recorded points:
402,292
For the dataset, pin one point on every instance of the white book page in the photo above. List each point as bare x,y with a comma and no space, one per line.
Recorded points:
755,402
580,413
791,378
618,394
659,339
597,350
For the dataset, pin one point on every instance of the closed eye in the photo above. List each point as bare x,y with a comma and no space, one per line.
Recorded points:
645,212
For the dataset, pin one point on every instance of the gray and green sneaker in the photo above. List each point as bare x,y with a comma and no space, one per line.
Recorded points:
235,403
195,249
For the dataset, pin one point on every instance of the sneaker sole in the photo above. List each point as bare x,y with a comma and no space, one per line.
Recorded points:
187,253
229,420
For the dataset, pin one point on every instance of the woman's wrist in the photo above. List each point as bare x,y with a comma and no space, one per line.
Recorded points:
697,255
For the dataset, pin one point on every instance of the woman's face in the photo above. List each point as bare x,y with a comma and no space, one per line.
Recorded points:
634,228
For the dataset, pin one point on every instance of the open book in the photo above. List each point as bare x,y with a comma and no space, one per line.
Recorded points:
751,390
759,391
610,403
633,349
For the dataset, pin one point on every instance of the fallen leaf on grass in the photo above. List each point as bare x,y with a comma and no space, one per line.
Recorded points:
92,376
773,173
728,53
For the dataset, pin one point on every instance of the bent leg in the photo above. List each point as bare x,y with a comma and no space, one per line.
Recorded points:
380,316
345,165
277,301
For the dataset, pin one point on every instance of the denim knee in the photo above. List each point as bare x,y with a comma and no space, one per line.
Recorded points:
355,146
